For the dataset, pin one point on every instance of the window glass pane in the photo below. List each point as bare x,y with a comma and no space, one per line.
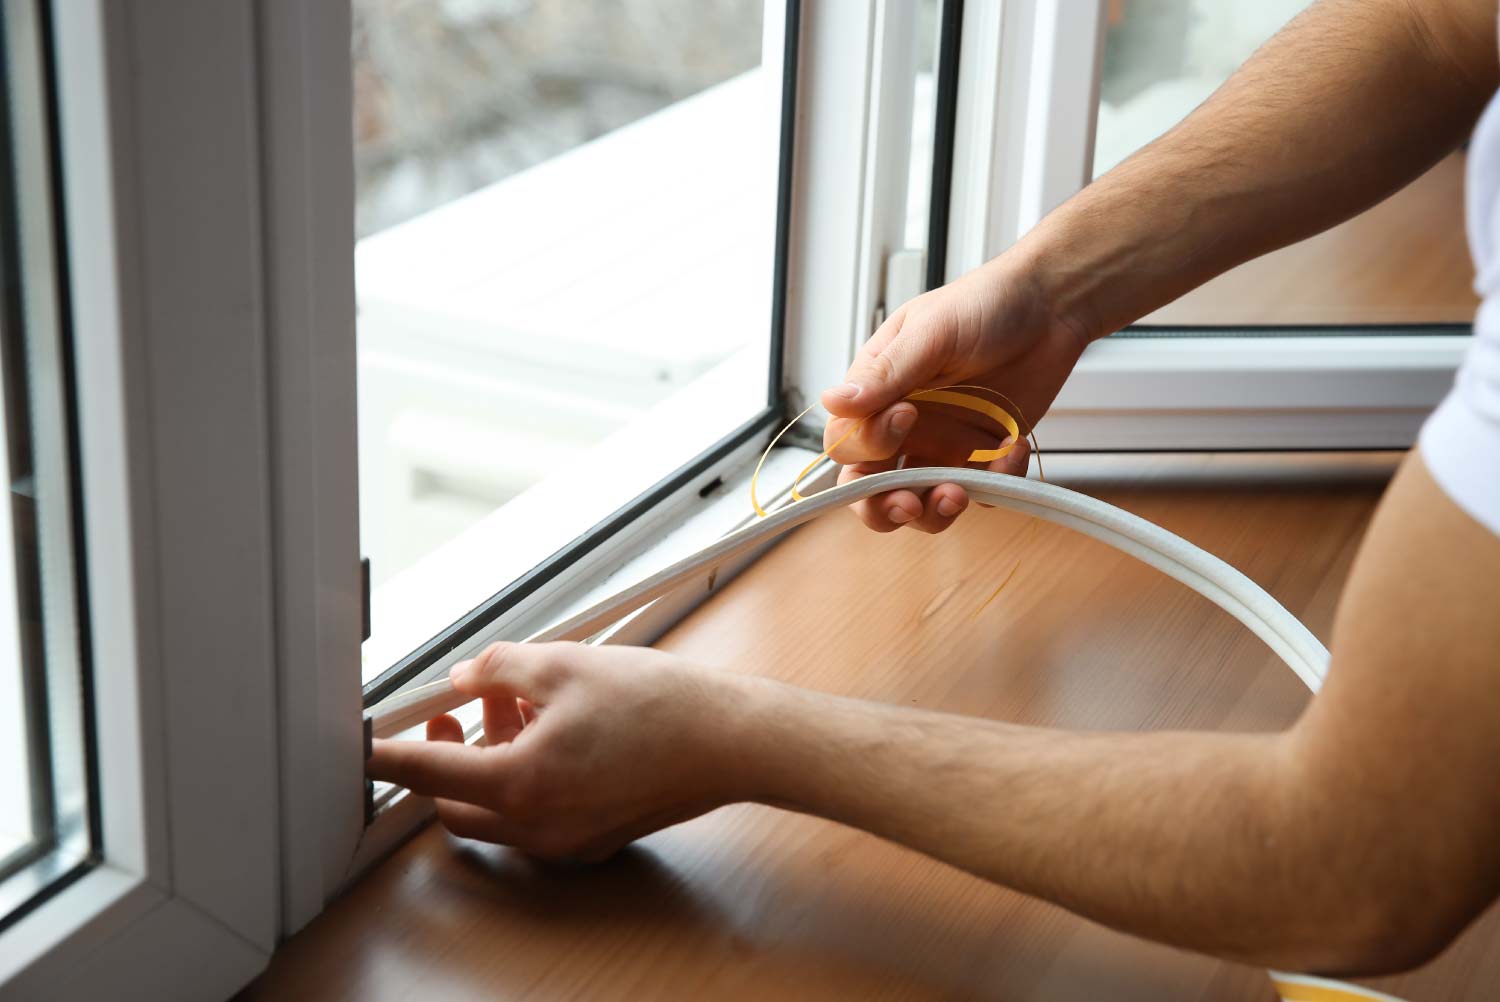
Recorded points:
567,214
923,123
44,801
1404,261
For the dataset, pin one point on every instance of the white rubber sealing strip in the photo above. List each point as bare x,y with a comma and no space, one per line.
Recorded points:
1206,574
1150,543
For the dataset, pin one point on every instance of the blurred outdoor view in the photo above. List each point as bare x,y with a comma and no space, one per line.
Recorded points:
453,95
565,216
1403,262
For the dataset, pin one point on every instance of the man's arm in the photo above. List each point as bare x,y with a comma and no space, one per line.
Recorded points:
1360,841
1352,100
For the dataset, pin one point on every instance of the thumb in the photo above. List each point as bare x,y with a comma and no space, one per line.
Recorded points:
900,358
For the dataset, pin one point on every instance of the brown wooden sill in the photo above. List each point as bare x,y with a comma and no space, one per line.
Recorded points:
754,903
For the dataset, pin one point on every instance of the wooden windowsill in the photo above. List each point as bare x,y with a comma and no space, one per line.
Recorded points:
751,901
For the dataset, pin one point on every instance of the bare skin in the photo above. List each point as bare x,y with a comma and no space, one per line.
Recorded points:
1254,847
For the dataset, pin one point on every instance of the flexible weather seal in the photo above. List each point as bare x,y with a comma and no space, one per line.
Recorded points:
1206,574
1174,556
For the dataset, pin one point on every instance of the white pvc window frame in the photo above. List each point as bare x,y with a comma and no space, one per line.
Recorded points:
1028,101
854,120
209,246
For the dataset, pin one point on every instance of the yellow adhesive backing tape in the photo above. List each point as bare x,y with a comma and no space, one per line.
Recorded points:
951,395
961,395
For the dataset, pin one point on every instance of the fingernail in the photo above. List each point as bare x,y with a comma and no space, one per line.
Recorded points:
902,421
900,516
848,391
459,670
947,507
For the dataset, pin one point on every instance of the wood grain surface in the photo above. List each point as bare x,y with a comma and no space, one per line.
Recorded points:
1405,261
750,902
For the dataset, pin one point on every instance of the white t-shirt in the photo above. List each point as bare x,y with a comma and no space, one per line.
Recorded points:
1461,440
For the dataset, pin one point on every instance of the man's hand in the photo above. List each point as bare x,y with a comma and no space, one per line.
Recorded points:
588,748
995,328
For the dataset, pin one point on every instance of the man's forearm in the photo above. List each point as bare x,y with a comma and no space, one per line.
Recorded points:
1112,826
1349,102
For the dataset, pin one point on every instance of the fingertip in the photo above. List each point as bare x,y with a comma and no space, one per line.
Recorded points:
901,507
948,501
377,764
945,503
836,432
471,677
872,515
901,418
445,728
1016,462
875,439
843,400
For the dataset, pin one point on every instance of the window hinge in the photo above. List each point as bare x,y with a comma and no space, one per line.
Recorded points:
364,597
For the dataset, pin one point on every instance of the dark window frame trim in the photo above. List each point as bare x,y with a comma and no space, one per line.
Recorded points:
945,128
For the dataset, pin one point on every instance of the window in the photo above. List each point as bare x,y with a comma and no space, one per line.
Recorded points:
565,271
47,830
599,252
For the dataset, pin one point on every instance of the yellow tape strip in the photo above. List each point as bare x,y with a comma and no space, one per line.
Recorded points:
938,395
1293,992
993,411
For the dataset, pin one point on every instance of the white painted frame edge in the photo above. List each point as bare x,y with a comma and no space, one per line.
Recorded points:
854,109
306,93
1028,96
206,295
1264,393
1027,107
